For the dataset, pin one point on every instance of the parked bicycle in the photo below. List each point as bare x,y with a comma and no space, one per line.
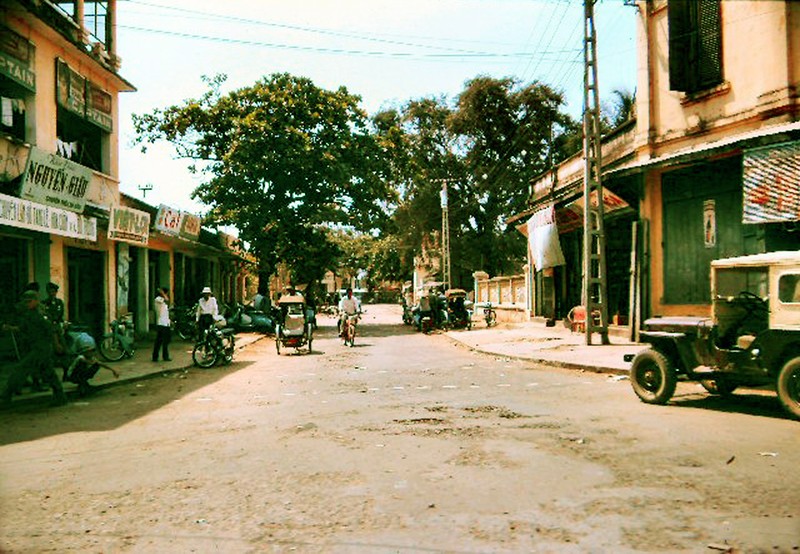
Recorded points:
118,344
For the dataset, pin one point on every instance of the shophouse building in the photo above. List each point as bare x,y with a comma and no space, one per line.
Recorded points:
709,168
59,170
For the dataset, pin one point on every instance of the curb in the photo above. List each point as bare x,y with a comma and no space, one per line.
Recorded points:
545,362
72,393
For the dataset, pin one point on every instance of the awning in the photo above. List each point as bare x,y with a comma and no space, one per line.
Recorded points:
569,217
771,183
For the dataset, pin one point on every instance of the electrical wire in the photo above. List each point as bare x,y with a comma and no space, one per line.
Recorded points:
449,56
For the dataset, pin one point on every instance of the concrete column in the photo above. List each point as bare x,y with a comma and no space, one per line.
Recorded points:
111,28
80,19
143,300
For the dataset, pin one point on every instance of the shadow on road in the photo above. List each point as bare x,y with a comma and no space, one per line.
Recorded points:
108,408
765,405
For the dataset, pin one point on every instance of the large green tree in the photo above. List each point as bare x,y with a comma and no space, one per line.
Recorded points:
486,146
283,159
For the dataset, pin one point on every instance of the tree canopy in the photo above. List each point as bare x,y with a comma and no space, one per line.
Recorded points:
284,160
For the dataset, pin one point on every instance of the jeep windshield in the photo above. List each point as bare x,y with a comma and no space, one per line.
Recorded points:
731,281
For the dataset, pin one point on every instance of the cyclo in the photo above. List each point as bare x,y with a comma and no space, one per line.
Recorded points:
458,313
294,328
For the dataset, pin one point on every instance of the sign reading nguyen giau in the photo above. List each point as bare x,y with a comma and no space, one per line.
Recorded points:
55,181
129,225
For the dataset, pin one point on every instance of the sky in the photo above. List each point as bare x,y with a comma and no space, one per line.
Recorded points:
386,52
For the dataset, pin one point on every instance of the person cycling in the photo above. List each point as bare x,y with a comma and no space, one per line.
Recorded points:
348,306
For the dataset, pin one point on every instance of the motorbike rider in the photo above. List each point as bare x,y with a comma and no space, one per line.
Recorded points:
349,305
207,310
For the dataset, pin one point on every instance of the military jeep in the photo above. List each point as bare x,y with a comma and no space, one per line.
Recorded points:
751,339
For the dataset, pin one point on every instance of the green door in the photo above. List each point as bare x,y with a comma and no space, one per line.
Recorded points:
702,222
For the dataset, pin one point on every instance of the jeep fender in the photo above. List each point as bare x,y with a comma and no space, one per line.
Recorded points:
677,347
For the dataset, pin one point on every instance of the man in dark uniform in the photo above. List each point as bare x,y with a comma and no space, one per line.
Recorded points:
53,305
37,356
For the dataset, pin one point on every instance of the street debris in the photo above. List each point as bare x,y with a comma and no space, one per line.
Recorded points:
721,547
617,378
770,454
730,460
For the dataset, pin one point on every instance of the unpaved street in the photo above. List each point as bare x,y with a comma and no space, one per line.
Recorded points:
405,443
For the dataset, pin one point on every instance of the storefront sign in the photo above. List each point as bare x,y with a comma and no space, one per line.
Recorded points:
55,181
98,107
543,239
16,59
70,89
24,214
709,223
168,220
129,225
771,182
190,226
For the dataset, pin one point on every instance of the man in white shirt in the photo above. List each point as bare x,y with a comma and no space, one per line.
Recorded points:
348,305
162,324
207,310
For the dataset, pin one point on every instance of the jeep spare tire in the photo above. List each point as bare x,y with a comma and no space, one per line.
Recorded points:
652,376
789,386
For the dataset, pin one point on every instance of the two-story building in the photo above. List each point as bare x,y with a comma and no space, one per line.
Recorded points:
59,170
710,166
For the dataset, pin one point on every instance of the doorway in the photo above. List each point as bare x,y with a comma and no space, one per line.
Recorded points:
86,289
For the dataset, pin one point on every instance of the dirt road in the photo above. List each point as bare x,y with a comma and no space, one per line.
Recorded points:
405,443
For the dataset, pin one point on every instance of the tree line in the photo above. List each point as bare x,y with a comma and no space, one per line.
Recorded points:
312,181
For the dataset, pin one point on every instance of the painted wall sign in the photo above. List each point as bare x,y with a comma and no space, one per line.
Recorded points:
771,183
55,181
98,106
129,225
709,223
190,226
16,58
70,89
24,214
168,220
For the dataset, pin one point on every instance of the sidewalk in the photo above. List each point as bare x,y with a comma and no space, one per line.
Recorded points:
554,346
137,368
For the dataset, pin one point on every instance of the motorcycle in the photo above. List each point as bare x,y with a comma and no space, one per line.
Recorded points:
118,344
489,315
349,330
247,318
215,345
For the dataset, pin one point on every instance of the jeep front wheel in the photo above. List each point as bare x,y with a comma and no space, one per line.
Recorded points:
789,387
653,377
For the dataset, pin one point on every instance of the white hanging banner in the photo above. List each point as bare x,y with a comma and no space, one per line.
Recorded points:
543,239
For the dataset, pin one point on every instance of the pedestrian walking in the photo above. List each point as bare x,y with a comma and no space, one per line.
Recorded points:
162,325
37,358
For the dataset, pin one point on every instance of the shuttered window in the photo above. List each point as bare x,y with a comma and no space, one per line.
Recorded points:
695,45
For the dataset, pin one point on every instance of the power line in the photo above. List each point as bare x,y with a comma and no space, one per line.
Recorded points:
341,51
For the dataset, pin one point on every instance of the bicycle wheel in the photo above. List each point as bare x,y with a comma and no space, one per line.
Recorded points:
111,349
204,355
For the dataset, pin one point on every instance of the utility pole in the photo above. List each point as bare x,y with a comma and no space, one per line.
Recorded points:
595,286
445,236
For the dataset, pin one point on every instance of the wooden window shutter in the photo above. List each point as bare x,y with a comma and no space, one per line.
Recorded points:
709,68
681,37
